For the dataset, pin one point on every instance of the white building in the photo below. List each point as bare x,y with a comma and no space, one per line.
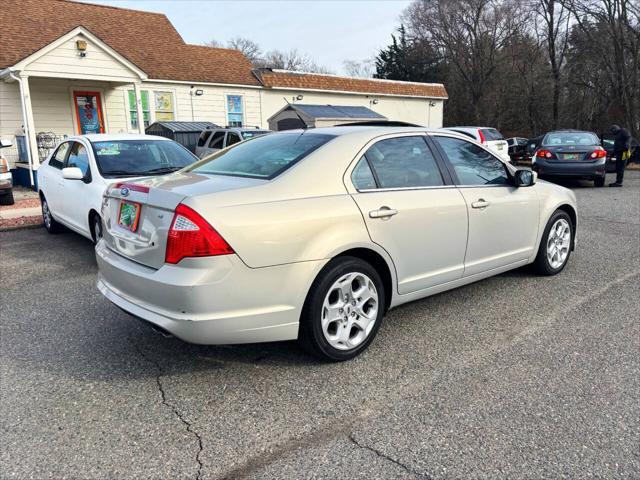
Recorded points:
69,67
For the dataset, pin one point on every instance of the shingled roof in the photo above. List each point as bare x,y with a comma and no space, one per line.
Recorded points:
151,42
283,79
147,39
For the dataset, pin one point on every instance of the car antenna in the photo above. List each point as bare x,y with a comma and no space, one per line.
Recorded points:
297,114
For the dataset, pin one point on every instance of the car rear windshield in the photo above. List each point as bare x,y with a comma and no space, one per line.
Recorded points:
117,158
253,133
263,157
491,134
570,138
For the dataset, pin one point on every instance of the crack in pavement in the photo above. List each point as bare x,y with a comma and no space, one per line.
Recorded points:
388,458
330,431
173,408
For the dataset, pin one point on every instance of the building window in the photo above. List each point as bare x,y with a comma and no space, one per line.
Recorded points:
234,111
164,106
133,111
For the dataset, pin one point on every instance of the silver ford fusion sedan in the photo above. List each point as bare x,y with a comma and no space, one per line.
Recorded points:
314,234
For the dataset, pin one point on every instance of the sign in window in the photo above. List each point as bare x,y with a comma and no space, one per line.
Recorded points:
234,111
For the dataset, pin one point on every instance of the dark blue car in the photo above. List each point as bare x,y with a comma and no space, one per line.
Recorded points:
571,154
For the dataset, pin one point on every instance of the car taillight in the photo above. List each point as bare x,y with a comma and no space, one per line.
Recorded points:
191,236
598,153
4,165
481,136
544,154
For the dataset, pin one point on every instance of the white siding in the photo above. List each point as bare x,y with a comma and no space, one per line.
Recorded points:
210,106
10,109
51,104
64,61
412,110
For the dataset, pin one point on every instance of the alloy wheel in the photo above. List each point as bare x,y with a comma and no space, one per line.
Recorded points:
46,214
349,311
559,243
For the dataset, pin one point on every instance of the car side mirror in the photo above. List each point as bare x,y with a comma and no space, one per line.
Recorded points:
72,173
524,178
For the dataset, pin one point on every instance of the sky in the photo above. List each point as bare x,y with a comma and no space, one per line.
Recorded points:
329,31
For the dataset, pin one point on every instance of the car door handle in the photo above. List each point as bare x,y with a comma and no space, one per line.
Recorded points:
480,203
383,212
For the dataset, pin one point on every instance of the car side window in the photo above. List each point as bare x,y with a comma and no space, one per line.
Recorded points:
472,164
362,177
78,158
217,140
404,162
232,138
59,157
204,136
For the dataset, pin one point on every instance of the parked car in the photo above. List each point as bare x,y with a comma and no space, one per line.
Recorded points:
532,146
74,176
517,148
6,179
490,137
214,139
315,234
571,154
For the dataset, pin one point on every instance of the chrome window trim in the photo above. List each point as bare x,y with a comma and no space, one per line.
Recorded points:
400,189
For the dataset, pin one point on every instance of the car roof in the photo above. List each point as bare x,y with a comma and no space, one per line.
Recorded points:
354,130
570,130
471,128
106,137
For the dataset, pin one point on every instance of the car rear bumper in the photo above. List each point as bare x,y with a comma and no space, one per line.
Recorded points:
576,169
212,300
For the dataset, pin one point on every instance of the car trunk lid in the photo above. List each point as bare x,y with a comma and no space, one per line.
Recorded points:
138,215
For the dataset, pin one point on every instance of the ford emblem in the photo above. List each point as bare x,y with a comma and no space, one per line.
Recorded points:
124,191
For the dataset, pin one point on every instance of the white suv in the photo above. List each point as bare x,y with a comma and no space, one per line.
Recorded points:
214,139
487,136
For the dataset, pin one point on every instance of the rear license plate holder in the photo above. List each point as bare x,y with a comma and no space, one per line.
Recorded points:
129,215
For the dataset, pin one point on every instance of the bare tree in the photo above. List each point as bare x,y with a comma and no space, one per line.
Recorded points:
213,43
469,34
362,69
613,30
249,48
291,60
553,31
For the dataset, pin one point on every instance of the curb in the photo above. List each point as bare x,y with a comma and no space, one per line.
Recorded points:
29,226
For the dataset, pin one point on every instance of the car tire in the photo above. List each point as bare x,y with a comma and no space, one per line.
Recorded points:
599,181
50,223
96,228
7,198
331,326
555,246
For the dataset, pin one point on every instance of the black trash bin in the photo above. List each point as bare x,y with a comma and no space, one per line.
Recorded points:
185,133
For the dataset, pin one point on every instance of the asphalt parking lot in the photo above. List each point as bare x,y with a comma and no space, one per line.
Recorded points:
517,376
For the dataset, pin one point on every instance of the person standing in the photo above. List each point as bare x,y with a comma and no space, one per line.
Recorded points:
621,145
